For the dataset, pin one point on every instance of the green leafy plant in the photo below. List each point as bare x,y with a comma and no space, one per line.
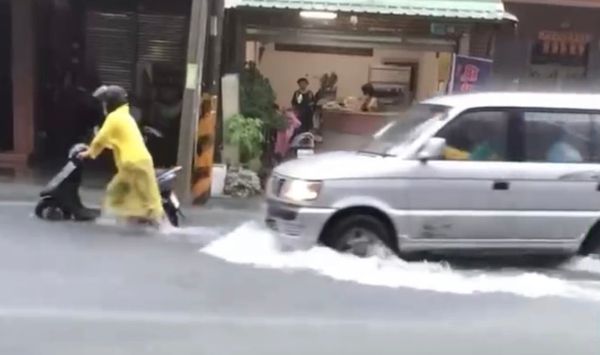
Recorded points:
247,134
257,98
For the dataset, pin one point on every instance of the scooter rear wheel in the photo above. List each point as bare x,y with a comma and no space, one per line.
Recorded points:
171,214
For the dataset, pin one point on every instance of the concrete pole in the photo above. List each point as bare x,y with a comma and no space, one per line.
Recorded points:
205,150
191,98
216,35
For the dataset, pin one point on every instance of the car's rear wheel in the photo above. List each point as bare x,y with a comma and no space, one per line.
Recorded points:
360,235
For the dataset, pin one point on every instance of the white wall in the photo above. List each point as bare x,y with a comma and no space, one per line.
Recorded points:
284,68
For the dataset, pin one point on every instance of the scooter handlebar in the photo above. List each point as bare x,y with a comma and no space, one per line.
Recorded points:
76,149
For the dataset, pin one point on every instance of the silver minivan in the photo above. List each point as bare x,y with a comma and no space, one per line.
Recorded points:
499,173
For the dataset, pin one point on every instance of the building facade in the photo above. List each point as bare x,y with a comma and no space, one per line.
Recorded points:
391,43
554,47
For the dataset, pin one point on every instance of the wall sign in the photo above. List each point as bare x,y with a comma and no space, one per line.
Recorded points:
469,73
562,48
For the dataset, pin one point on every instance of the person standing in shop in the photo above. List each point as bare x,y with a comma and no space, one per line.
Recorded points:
303,103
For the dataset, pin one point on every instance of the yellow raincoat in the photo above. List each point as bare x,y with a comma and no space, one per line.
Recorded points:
133,191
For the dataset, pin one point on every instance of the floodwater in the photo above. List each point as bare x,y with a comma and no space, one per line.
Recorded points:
254,245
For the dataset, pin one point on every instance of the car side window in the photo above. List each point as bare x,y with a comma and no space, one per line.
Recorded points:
477,136
561,137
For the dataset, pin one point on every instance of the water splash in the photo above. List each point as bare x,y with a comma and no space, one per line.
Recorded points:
252,244
589,264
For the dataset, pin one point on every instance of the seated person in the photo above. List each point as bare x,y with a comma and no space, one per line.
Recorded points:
369,100
562,151
483,146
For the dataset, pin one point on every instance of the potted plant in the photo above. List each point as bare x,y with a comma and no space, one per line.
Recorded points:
257,98
246,134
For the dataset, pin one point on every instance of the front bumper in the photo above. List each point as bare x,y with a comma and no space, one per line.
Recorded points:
296,227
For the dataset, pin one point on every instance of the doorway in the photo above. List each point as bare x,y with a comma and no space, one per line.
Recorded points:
6,101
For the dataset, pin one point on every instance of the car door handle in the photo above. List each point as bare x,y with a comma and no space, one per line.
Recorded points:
501,185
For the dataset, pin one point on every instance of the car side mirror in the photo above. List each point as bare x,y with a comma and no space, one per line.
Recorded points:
433,149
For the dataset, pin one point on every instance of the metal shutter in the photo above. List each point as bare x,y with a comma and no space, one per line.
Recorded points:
481,39
111,46
162,38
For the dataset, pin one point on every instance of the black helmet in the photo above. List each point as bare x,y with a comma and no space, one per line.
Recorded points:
112,96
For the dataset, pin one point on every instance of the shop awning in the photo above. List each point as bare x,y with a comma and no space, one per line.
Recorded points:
492,10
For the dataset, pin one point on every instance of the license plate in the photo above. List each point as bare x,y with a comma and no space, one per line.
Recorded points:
175,201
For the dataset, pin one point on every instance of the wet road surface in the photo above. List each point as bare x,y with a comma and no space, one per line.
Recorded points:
70,288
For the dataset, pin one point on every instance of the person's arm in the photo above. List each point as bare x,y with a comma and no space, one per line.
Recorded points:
451,153
311,98
294,102
100,142
373,105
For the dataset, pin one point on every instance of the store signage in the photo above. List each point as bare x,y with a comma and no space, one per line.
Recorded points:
564,43
441,29
561,47
469,73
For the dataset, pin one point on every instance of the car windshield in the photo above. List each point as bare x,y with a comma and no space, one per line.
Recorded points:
405,130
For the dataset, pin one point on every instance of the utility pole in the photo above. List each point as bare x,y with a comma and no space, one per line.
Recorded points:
216,45
190,115
206,133
216,68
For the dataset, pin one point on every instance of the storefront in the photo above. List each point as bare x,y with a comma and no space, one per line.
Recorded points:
59,51
558,51
404,51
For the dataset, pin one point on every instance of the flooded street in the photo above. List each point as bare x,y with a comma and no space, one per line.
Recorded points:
223,288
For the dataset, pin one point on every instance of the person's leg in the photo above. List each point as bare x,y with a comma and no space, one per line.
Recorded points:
147,191
116,195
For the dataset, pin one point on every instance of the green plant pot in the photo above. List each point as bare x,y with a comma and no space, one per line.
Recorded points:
255,165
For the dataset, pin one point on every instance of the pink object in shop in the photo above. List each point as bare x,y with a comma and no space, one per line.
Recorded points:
282,142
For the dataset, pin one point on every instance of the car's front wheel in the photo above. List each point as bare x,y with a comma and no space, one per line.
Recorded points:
361,235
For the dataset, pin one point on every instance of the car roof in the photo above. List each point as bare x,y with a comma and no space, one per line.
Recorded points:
519,99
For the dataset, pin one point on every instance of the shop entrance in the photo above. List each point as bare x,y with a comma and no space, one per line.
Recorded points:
398,74
6,114
137,44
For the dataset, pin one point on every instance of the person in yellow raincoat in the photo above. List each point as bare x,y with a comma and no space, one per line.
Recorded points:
133,192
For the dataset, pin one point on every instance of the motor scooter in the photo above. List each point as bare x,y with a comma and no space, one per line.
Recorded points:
302,145
60,199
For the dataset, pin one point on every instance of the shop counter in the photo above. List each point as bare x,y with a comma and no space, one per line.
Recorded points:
355,122
350,130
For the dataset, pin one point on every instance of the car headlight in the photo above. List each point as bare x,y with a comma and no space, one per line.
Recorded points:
301,190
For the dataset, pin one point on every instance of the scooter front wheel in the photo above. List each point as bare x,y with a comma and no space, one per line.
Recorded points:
49,209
